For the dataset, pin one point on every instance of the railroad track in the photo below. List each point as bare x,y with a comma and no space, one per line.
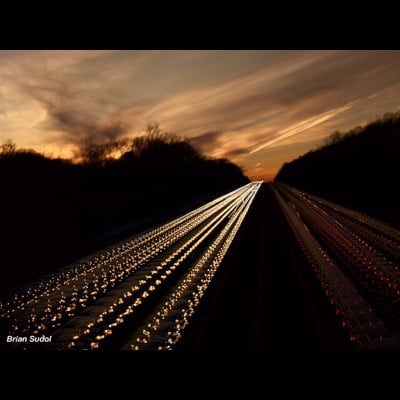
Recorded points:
137,294
357,261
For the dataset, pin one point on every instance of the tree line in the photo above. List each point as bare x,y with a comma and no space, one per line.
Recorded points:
54,209
358,168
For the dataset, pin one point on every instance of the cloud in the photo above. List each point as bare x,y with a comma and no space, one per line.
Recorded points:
207,140
302,126
236,152
237,104
78,107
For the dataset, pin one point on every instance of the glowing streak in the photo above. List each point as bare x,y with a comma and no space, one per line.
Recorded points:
303,125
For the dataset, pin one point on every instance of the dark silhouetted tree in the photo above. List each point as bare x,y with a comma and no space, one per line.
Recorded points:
57,210
334,138
8,147
358,168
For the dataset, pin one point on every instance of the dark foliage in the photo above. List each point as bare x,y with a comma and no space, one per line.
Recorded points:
359,169
53,210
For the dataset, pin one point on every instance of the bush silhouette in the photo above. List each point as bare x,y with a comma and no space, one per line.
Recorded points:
55,211
358,168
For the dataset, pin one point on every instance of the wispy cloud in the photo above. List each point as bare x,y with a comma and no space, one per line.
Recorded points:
206,141
238,104
302,126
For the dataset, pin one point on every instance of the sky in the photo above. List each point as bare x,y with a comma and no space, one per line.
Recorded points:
257,108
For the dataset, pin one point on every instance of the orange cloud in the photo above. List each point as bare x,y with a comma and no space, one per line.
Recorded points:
303,125
244,105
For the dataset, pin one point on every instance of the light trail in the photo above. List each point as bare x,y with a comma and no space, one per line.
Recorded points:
355,258
99,300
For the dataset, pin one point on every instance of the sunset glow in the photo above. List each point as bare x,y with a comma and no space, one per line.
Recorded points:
259,109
